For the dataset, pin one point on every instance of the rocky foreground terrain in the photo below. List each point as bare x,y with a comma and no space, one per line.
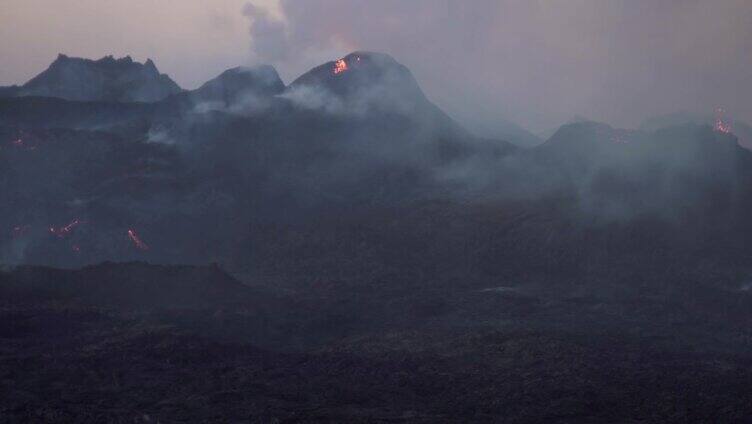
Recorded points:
145,343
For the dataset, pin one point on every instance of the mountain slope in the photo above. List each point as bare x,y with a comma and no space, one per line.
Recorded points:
364,84
106,79
741,129
238,85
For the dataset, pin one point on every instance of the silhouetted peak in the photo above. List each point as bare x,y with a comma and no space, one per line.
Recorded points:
237,82
263,74
105,79
150,66
582,131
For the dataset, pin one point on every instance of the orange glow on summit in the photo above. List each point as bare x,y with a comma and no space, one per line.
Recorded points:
721,124
340,66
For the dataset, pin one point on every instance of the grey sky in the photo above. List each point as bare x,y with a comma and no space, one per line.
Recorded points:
534,62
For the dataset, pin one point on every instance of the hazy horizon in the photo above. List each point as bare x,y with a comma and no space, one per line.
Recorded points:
534,63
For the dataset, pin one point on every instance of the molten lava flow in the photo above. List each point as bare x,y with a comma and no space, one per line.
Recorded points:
65,231
136,240
339,66
721,124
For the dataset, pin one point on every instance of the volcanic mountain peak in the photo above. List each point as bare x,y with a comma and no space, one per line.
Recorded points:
354,63
589,147
151,66
237,82
361,75
720,123
584,133
106,79
583,145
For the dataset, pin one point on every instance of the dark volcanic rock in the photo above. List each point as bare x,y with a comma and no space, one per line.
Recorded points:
359,72
83,343
366,84
10,91
106,79
240,84
130,285
394,267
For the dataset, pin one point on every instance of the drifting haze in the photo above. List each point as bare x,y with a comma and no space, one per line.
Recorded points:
537,63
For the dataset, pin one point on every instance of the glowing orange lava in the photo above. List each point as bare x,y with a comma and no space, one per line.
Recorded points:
65,231
136,240
339,66
721,125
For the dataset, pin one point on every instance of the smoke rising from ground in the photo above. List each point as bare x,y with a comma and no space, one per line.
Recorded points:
537,63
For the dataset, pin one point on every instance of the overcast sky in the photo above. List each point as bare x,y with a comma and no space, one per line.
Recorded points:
537,63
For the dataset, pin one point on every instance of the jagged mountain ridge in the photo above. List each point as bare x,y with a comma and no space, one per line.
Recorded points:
107,79
375,83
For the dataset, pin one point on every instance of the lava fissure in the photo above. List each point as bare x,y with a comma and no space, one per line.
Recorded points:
137,240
